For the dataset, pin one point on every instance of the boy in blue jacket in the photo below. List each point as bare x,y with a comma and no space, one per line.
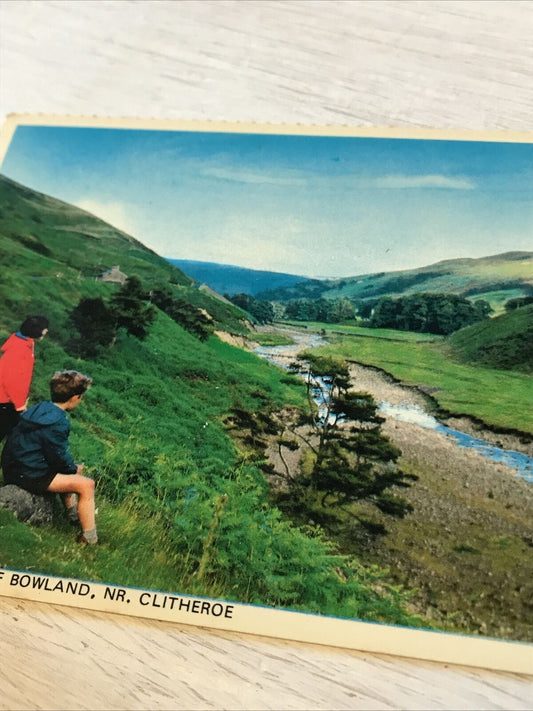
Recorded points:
36,456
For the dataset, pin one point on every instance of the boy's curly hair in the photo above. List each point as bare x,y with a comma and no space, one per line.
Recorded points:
66,383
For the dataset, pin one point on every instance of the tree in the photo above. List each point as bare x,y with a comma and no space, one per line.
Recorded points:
263,311
385,313
518,302
352,460
364,308
193,319
96,325
343,310
259,309
428,313
131,310
298,309
324,310
483,309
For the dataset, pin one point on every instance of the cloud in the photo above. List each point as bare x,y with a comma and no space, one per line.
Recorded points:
293,178
115,213
252,178
405,182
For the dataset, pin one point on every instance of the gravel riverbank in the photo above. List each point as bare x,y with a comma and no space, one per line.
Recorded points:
385,388
467,548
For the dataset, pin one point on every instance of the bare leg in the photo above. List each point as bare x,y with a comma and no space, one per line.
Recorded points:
84,487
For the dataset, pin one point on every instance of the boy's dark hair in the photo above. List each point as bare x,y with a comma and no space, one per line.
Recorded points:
34,326
66,383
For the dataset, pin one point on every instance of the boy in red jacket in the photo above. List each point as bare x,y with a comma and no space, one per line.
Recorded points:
16,370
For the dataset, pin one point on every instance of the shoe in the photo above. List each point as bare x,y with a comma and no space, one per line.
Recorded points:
81,539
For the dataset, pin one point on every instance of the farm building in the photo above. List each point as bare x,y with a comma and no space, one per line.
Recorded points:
113,276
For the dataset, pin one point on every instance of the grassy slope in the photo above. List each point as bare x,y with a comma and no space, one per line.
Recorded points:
502,342
57,249
461,276
75,238
129,421
152,431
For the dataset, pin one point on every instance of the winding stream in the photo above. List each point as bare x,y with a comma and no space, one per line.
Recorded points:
409,412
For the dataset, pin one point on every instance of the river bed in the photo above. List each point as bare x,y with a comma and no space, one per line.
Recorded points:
404,404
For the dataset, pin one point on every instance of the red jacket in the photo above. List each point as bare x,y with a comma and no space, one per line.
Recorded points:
16,369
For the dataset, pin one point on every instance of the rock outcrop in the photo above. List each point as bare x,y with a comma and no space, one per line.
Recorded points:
29,508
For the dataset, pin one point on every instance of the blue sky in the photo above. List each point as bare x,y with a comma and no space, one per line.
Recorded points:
309,205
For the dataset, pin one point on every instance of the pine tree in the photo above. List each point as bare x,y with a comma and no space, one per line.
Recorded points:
353,461
193,319
132,312
96,325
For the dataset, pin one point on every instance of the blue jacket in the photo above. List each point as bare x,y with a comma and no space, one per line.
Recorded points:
39,442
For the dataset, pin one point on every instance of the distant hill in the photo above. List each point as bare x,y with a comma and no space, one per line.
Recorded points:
229,279
495,278
502,342
54,252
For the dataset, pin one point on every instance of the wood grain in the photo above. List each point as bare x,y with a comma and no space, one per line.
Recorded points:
443,64
59,658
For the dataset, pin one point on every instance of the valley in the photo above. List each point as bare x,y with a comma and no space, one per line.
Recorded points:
173,432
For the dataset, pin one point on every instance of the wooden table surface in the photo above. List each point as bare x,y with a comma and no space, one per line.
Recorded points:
444,64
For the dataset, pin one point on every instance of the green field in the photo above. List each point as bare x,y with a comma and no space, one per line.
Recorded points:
271,339
499,398
498,298
354,330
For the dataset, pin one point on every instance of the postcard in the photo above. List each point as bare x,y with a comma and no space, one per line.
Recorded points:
272,379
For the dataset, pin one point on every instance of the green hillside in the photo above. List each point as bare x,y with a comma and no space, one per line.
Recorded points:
182,506
496,279
502,342
54,231
59,250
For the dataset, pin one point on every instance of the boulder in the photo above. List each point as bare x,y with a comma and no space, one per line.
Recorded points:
30,508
